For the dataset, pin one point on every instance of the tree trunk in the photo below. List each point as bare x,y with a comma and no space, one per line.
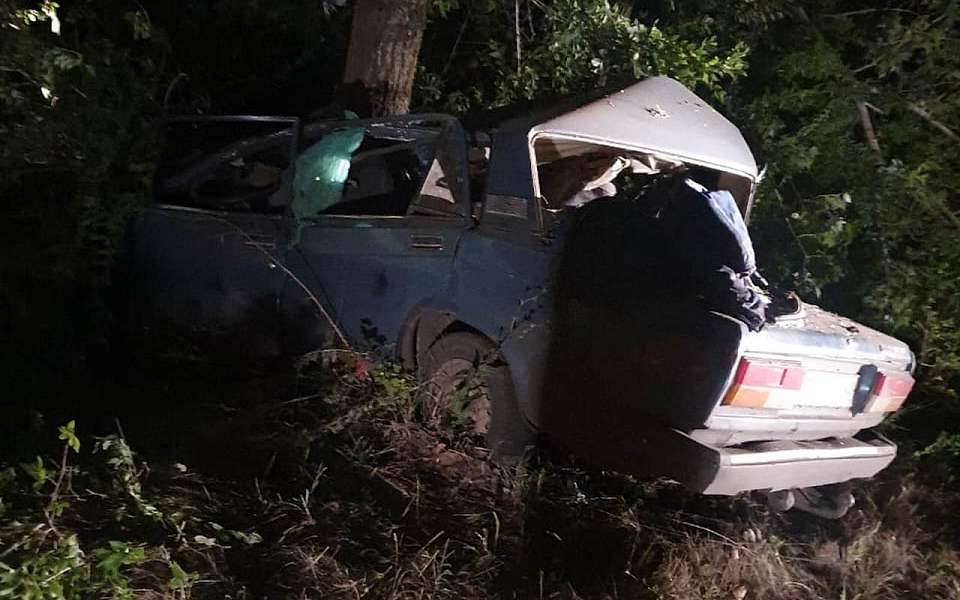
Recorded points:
382,56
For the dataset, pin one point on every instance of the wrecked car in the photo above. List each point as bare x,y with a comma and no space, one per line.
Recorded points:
586,267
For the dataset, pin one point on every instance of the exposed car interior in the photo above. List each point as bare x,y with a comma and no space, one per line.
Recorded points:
232,165
382,176
573,173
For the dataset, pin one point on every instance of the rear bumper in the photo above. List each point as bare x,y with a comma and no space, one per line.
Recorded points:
649,449
730,426
787,464
783,464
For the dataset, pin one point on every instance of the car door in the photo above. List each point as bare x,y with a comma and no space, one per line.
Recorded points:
388,242
205,256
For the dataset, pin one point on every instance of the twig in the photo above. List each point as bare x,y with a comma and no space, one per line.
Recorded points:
22,541
55,575
875,109
432,540
729,540
800,585
866,11
869,65
946,12
796,238
516,32
533,30
55,494
923,114
173,83
868,127
456,42
20,72
299,399
949,214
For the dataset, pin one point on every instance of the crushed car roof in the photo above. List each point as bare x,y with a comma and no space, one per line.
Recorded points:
657,115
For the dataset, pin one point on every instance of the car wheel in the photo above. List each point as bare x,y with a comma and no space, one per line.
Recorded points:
465,383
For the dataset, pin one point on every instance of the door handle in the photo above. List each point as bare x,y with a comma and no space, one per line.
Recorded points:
426,242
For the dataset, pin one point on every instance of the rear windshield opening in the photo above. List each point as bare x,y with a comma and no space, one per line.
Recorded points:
571,174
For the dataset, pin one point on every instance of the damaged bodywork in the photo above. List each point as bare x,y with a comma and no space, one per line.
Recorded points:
598,251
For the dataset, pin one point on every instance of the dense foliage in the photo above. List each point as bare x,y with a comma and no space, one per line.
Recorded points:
868,224
560,48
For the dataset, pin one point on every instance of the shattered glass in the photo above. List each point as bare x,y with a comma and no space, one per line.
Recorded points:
321,172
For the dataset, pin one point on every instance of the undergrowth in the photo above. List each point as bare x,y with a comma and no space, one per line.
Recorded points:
343,492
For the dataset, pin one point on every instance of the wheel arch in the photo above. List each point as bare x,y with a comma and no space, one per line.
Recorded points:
424,326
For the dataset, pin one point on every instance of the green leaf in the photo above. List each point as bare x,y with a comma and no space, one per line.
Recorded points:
180,579
67,433
119,554
37,471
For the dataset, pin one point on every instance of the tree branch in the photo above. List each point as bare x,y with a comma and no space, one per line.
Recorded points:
868,127
173,84
456,42
923,114
866,11
865,67
516,32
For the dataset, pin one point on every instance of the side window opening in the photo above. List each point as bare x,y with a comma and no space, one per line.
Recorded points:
436,194
383,178
322,170
231,164
381,171
447,179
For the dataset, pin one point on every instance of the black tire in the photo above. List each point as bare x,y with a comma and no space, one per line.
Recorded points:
466,367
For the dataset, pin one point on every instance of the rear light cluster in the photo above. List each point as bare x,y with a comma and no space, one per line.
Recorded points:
889,392
763,385
755,383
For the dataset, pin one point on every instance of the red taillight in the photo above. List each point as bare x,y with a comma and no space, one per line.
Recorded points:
754,382
889,392
768,376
